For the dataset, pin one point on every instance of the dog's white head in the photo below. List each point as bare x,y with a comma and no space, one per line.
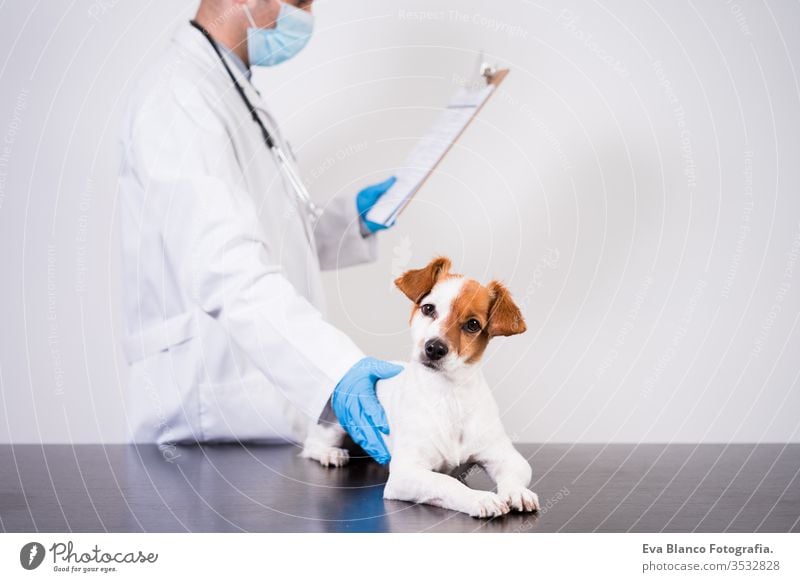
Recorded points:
454,317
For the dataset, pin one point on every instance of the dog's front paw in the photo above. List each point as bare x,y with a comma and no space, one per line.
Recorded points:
520,499
327,456
488,504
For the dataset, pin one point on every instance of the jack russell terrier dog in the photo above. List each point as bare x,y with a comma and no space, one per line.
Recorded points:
440,410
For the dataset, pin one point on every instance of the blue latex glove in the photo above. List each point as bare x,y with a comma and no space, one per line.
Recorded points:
357,408
367,198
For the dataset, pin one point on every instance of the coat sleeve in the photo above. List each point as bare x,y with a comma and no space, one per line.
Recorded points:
339,237
215,243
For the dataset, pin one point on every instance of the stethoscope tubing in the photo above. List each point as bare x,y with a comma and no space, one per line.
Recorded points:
284,165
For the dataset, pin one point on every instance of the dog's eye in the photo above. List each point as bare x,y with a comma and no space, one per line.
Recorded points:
472,326
428,309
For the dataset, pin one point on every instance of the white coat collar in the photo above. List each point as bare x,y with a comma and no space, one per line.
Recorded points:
192,41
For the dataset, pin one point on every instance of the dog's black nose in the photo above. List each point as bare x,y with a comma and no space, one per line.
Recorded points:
435,349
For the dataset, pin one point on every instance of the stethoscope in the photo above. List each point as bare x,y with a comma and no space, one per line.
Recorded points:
284,165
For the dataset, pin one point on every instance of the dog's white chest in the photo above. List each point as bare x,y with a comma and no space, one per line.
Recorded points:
428,418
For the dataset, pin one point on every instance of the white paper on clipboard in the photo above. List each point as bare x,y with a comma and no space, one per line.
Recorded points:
429,151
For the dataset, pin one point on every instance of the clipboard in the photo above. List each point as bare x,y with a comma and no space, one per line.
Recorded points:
429,151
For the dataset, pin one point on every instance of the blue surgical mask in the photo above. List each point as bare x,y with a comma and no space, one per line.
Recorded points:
267,47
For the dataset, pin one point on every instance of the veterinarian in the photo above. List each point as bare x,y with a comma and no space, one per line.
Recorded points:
222,249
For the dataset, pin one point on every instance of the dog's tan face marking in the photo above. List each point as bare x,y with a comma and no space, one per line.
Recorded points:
460,313
466,327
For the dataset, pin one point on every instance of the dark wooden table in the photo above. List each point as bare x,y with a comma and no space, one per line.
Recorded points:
583,488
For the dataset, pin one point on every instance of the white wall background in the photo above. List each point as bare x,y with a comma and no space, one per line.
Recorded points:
636,183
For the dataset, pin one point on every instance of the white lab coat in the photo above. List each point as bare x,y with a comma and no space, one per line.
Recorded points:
225,333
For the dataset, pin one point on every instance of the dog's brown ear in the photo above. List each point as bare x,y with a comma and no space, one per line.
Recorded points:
417,283
505,317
